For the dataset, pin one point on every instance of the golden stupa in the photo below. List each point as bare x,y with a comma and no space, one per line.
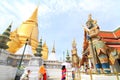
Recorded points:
27,30
44,51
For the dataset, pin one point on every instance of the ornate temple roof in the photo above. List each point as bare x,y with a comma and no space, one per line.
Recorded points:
111,38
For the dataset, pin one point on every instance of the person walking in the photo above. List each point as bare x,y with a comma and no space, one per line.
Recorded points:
42,71
63,73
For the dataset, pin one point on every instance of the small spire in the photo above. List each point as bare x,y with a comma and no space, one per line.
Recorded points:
89,17
39,48
67,52
53,50
40,44
41,40
7,31
67,57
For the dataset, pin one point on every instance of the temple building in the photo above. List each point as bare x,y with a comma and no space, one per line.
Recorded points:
26,51
52,62
52,55
27,30
112,40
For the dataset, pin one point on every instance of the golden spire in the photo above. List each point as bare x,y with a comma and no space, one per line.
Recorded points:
45,45
34,16
44,51
53,50
27,30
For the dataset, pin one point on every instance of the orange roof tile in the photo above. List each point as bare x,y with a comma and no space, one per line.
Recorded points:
106,34
110,34
112,38
117,32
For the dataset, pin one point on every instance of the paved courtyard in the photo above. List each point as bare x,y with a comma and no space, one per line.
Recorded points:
54,74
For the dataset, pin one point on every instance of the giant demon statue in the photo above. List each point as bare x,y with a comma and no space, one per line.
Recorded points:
97,48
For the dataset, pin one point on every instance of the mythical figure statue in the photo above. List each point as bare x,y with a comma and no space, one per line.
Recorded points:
75,58
97,48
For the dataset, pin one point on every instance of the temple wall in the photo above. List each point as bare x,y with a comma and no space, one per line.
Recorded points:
7,72
3,57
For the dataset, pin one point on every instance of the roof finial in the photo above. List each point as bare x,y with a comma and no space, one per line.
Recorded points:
53,50
89,17
74,43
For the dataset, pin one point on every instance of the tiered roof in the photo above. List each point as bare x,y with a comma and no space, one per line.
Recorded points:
111,38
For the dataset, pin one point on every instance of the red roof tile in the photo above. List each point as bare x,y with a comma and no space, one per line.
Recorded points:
110,34
112,38
106,34
117,33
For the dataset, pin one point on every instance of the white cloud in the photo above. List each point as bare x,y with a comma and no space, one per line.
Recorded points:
90,4
57,6
15,12
44,9
98,5
48,7
22,10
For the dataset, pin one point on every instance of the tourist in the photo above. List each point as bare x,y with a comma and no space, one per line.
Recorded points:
86,68
42,71
25,75
63,73
73,73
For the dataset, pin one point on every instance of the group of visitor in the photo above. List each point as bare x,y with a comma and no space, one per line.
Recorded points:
43,74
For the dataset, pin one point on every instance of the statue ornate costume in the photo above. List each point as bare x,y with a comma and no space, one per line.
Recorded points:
75,58
97,47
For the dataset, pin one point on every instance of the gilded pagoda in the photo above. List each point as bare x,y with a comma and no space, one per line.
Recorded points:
27,30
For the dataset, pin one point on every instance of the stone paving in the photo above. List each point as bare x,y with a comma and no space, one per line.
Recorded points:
54,74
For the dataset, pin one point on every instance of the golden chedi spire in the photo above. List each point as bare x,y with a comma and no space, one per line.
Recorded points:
34,16
44,51
29,30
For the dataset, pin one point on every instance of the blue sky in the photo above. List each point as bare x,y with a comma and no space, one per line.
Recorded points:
61,20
